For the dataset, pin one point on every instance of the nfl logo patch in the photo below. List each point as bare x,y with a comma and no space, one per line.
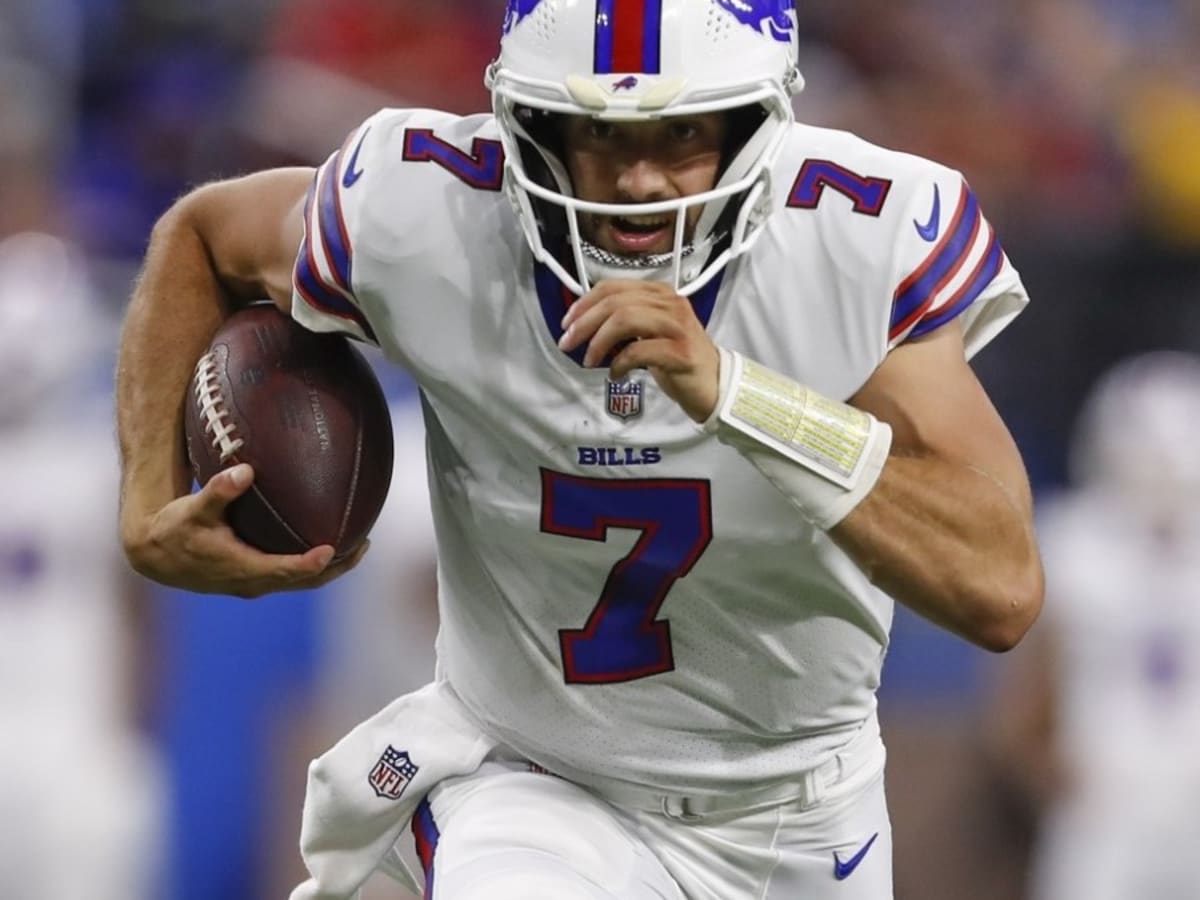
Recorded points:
624,398
392,774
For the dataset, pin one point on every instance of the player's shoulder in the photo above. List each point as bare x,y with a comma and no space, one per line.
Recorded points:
867,212
412,132
875,182
896,226
412,196
406,171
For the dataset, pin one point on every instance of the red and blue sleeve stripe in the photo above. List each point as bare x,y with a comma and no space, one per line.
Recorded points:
333,223
918,291
323,270
628,36
426,835
986,270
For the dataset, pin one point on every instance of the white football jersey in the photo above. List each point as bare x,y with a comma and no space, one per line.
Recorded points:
62,619
1124,603
622,596
83,795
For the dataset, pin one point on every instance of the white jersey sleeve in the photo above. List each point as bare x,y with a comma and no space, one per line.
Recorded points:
368,212
323,293
948,264
882,246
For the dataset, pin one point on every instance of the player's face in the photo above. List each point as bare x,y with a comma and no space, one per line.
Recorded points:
642,162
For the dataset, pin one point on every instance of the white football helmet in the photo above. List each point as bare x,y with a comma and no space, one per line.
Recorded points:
637,60
1139,433
48,329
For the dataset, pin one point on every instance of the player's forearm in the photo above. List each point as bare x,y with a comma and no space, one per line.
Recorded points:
953,544
176,307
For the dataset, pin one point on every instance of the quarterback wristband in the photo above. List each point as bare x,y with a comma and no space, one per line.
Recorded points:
823,455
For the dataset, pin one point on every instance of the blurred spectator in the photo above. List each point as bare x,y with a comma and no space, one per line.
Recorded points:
328,64
1099,721
32,127
82,797
1158,123
159,81
974,86
46,35
82,794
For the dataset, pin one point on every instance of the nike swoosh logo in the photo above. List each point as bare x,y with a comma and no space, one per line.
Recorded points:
352,175
843,870
929,231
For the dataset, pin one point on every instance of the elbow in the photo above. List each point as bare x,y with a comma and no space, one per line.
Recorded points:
194,214
1003,633
176,228
182,214
1010,611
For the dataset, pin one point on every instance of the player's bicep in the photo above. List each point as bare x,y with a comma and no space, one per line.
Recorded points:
928,393
253,227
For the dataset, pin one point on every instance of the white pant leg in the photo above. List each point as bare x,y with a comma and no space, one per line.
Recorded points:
84,817
1096,851
504,833
840,849
786,852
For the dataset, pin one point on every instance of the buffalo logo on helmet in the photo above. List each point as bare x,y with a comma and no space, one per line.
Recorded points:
516,11
774,18
628,83
392,774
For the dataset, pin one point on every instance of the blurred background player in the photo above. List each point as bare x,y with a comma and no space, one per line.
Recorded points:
82,794
1101,715
82,797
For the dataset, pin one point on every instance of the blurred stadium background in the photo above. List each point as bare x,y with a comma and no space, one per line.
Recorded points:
1077,122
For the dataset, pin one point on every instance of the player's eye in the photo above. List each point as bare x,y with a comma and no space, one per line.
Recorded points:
599,130
683,131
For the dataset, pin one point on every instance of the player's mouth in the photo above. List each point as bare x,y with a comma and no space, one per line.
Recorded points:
634,235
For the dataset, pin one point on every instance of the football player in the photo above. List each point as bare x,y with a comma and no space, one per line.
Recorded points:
1109,693
699,410
82,788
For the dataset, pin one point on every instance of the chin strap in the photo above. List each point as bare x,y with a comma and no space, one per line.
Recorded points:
823,455
601,265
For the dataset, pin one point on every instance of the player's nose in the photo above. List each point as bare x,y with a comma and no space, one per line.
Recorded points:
642,180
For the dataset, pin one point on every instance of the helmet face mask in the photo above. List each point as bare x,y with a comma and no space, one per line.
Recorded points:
688,57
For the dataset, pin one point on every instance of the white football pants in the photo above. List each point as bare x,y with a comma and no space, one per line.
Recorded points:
508,833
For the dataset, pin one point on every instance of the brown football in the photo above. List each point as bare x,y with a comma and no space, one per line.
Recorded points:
308,413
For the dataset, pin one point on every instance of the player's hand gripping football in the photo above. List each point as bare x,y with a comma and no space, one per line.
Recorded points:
189,545
646,325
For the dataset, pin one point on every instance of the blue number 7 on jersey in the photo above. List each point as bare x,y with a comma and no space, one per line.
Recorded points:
622,639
